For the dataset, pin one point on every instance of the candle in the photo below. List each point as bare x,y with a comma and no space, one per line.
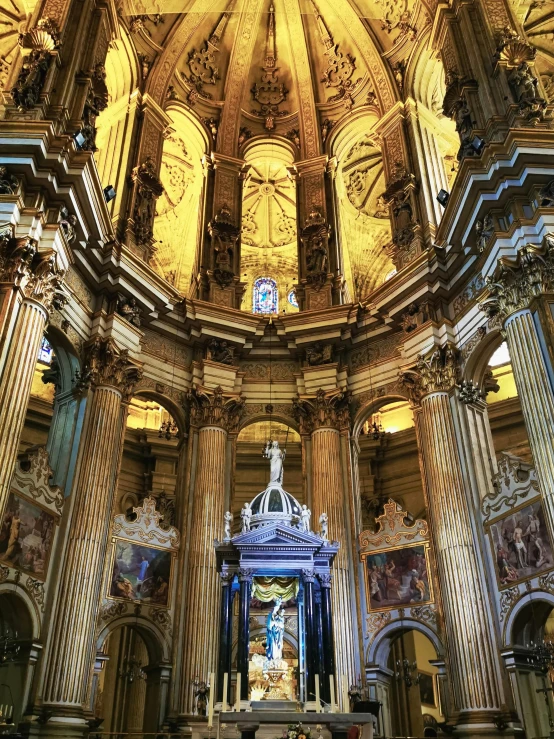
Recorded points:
225,689
345,698
211,703
332,684
237,696
317,701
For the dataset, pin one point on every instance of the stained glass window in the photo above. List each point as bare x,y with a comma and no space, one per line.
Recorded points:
45,353
265,299
291,297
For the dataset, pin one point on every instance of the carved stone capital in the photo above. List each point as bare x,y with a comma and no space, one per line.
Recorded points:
516,282
436,371
246,575
326,580
308,576
107,364
215,408
226,578
469,393
45,282
16,257
325,410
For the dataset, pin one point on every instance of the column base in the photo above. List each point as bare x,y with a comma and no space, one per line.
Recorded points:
56,726
486,723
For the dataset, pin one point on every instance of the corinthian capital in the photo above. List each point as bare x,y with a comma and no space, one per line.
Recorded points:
438,370
45,281
16,257
215,408
325,410
516,282
107,364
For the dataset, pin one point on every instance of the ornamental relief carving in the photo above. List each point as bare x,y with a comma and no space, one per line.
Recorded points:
263,370
379,350
324,410
437,371
517,282
106,364
215,408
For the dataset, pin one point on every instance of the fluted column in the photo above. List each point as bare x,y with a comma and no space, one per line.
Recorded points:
213,414
324,415
71,647
514,290
473,656
33,282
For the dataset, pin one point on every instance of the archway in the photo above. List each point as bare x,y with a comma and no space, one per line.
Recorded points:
269,248
152,459
252,470
406,672
386,451
18,655
131,687
529,628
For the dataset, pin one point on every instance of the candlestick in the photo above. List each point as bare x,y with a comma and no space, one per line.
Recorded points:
237,696
317,701
211,703
332,684
225,689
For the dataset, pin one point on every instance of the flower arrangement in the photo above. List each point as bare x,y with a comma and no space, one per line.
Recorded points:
296,731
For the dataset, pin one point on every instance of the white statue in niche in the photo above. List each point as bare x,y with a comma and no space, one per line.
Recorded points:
305,515
324,526
276,458
246,515
227,523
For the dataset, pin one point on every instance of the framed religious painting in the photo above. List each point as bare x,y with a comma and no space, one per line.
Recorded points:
141,573
398,577
427,692
396,562
26,535
521,544
143,557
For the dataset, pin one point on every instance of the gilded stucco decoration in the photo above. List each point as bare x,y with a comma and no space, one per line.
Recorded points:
269,93
10,19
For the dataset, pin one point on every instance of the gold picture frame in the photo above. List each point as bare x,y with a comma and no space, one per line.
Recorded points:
383,583
131,581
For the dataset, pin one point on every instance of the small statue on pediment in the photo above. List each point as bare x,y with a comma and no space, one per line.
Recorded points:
220,351
319,354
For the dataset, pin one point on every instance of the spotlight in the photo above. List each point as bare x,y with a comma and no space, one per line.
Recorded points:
442,197
477,144
109,193
79,139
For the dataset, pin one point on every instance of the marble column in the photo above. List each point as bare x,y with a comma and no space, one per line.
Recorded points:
243,641
225,634
324,416
71,647
473,655
33,284
515,291
327,636
212,414
310,631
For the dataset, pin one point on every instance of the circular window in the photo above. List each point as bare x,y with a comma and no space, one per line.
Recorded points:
291,297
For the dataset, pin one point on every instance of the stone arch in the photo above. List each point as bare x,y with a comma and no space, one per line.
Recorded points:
477,362
278,416
158,646
176,411
364,228
539,597
378,650
24,609
179,210
372,406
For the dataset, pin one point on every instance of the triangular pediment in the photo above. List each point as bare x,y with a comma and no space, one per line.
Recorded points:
277,534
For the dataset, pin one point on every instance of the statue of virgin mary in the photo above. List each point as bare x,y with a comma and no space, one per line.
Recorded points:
275,631
276,458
